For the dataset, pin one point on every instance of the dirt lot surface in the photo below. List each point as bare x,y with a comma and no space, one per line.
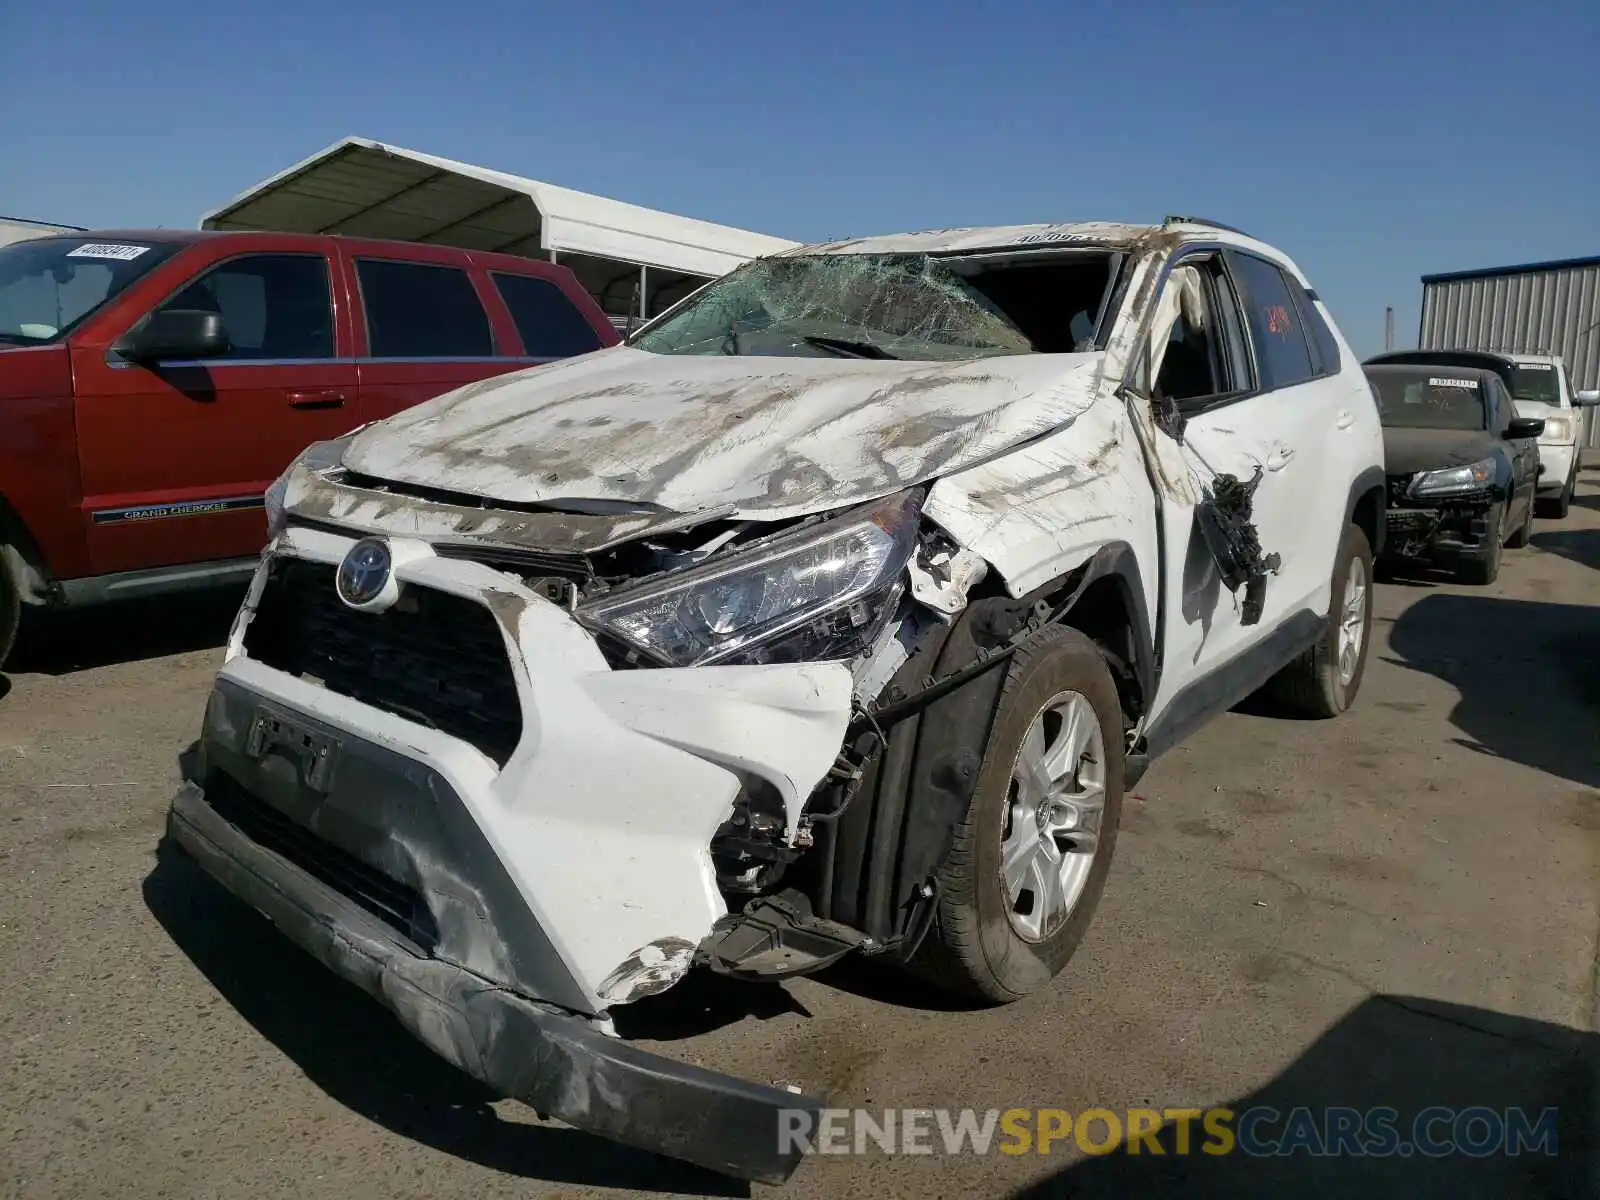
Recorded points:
1398,908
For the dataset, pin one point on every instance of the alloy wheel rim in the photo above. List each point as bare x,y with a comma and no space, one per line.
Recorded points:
1352,620
1052,819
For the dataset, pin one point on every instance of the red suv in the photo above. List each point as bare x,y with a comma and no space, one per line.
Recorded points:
153,385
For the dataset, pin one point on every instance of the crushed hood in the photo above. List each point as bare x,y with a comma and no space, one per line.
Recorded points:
774,437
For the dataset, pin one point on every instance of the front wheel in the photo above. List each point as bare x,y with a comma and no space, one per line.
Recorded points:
1519,539
1485,568
1557,507
1029,861
1324,680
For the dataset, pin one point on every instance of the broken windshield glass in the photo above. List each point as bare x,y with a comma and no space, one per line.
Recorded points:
906,306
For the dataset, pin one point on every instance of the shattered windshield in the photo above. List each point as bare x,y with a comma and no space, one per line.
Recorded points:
908,306
1435,402
1536,383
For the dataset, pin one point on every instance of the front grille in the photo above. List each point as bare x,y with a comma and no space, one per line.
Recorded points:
433,658
1410,519
391,901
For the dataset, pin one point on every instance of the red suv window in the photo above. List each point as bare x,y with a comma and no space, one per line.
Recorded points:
549,324
420,310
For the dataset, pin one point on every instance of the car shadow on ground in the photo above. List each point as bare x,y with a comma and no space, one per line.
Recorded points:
885,983
1579,545
360,1056
1390,1052
703,1003
1525,671
61,643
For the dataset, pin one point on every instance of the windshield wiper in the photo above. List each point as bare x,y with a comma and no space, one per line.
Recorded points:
847,347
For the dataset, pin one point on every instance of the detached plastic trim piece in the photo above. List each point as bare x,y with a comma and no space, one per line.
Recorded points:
554,1061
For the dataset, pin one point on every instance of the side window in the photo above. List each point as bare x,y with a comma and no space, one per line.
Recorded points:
273,305
419,310
1326,349
1500,406
1282,352
549,324
1200,350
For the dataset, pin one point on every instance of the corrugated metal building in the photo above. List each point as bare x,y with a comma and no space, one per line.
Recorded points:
1535,308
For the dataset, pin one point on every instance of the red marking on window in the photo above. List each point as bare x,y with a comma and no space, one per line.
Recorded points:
1277,318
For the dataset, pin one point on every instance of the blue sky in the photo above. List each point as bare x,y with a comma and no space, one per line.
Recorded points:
1375,142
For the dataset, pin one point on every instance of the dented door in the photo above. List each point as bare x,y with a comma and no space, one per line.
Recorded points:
1213,429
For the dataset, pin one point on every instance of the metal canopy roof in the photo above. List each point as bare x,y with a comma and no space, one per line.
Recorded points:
364,188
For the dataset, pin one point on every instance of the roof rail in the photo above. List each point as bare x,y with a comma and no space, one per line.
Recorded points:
1206,221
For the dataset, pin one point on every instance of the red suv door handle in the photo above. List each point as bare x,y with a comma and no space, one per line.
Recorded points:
316,399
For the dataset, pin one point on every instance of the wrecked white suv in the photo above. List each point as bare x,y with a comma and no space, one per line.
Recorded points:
832,614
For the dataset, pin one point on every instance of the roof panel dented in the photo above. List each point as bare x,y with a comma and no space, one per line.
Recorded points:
1107,234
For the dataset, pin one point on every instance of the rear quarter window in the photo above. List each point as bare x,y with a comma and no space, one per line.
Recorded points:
421,310
1277,328
547,321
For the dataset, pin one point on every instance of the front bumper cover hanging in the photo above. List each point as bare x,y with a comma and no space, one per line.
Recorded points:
557,1063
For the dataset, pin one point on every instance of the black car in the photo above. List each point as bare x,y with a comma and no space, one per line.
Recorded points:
1462,466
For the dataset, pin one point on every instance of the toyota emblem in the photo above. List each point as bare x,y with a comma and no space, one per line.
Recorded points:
364,573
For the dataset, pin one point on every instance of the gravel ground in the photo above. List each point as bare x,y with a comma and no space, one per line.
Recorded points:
1398,908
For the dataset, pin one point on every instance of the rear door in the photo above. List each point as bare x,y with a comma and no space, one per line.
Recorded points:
425,326
177,456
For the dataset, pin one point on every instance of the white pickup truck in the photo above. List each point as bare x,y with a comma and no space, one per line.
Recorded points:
832,614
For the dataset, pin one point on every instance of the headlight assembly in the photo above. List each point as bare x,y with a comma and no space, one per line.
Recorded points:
318,456
1452,481
817,594
1557,429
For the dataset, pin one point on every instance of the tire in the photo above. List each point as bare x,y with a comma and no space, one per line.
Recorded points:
975,947
1519,539
1315,684
1485,569
1557,507
10,612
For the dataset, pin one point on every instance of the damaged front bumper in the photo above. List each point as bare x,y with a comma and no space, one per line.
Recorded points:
1442,535
457,804
554,1061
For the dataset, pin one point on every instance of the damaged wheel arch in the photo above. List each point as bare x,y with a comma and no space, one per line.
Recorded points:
881,839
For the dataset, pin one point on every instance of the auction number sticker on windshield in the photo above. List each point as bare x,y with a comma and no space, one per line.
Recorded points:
107,250
1453,383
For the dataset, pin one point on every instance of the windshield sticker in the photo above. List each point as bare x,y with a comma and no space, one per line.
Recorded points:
1534,367
1062,235
107,250
1453,383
